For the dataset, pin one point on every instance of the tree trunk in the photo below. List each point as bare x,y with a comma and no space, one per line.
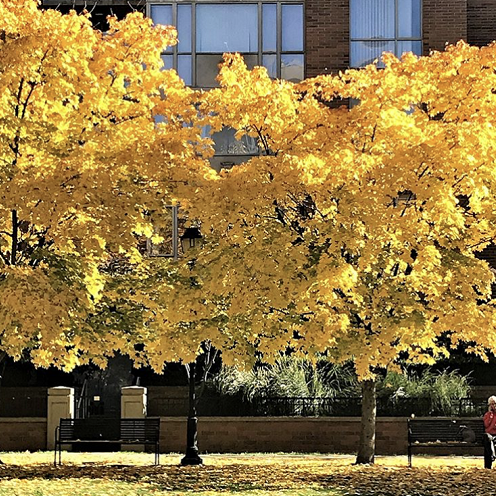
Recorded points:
3,355
366,450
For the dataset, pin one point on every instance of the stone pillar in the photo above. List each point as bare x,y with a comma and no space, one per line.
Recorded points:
133,405
133,402
60,405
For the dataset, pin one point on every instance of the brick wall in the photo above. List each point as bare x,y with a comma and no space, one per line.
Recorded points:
481,22
244,434
325,435
327,36
444,21
18,434
327,29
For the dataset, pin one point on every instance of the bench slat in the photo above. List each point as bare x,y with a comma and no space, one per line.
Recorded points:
444,432
110,431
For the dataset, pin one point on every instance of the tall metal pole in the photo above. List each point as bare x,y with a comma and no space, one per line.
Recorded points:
192,457
15,225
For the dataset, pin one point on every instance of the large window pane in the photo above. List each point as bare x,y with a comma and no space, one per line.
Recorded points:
184,28
226,28
292,28
168,61
365,52
207,68
292,67
184,68
372,19
408,46
270,63
409,19
226,144
162,14
269,23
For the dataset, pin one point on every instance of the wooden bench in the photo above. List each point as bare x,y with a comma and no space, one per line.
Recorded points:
110,431
444,432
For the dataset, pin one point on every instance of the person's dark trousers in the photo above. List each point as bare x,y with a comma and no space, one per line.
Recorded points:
489,453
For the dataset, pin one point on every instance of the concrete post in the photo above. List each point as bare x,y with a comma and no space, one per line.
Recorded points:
60,405
133,402
133,405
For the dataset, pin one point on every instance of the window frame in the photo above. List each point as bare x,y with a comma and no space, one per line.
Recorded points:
260,53
396,38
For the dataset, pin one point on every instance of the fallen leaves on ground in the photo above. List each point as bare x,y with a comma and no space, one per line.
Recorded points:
272,473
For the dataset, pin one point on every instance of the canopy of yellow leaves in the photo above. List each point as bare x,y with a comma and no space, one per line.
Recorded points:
356,232
82,164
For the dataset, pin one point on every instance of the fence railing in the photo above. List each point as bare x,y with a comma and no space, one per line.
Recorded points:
23,402
313,407
32,402
87,405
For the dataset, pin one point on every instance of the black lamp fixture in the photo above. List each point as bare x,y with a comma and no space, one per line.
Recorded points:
191,238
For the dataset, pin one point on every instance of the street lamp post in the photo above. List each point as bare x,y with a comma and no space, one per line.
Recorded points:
191,238
192,457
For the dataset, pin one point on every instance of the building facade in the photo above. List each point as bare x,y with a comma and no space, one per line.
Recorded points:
301,38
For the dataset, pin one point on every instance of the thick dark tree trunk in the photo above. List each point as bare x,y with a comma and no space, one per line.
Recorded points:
366,450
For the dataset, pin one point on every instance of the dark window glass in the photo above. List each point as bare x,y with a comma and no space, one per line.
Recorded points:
226,144
207,68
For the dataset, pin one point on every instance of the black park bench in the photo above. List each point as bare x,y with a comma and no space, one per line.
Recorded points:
110,431
431,433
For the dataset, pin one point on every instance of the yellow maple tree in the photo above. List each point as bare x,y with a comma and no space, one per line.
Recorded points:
355,234
84,160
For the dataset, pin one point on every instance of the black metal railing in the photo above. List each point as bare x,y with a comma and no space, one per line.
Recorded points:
23,402
313,407
32,402
87,406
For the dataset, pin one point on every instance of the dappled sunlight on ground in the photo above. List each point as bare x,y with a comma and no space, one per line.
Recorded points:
269,473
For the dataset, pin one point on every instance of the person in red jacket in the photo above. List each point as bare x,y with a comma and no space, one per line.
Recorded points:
490,435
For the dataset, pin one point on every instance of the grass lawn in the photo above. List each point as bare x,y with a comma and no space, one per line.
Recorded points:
130,474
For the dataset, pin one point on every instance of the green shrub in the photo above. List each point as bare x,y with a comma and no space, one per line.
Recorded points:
289,377
440,389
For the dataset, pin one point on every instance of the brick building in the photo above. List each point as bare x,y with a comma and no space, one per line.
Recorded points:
302,38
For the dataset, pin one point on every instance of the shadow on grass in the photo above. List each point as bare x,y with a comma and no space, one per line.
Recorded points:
232,477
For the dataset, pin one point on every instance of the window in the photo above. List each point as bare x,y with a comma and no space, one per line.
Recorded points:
268,34
379,26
